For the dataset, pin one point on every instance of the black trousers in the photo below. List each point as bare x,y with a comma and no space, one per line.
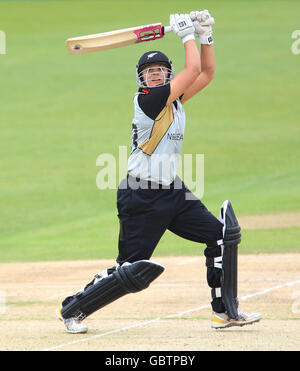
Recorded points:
146,213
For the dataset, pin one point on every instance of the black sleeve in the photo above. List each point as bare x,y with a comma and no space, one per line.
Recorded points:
152,101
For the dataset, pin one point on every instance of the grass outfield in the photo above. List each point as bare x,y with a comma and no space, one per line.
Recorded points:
60,112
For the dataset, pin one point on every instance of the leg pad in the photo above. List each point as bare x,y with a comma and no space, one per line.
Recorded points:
125,279
231,239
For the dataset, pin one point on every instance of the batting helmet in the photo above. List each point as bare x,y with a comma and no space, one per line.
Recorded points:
150,58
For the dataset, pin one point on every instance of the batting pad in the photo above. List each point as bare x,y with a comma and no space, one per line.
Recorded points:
124,280
231,239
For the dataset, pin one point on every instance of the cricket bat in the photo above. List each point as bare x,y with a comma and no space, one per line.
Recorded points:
116,39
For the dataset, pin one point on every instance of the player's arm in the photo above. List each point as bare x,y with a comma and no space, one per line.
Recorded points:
206,75
184,28
203,30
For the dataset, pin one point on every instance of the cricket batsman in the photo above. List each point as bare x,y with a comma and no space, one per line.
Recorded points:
153,199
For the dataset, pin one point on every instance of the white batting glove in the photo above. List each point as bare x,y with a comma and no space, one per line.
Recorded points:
204,33
203,22
203,17
183,26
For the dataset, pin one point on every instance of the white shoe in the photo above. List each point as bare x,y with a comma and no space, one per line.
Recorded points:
221,320
73,325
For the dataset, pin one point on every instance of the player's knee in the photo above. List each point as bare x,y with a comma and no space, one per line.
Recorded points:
232,230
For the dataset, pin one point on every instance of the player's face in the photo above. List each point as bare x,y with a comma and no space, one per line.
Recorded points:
155,74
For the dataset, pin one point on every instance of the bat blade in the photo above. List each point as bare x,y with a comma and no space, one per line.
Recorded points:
114,39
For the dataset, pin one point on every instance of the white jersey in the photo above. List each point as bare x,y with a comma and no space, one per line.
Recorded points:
157,135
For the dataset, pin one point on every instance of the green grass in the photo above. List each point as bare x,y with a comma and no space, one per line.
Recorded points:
263,241
83,241
59,112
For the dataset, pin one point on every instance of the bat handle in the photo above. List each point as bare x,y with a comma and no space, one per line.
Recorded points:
167,29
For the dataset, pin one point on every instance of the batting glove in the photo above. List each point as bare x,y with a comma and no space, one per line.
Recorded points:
203,22
183,26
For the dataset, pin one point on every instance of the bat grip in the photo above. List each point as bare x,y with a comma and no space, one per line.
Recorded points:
167,29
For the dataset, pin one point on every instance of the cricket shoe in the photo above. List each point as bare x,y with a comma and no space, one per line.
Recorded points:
73,325
221,320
